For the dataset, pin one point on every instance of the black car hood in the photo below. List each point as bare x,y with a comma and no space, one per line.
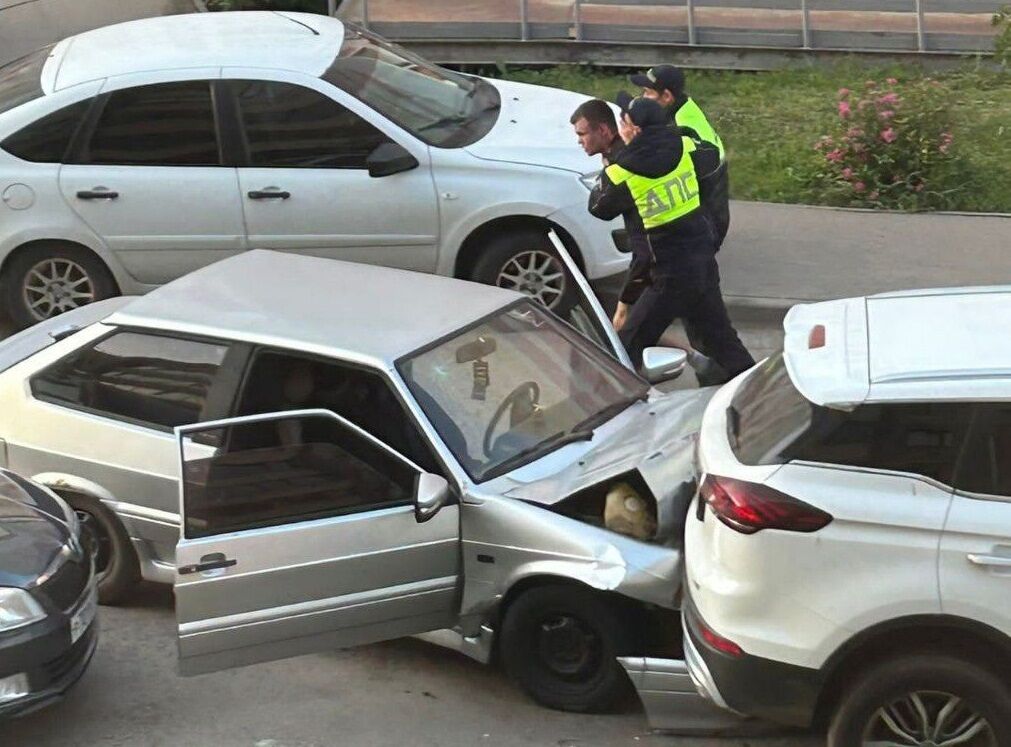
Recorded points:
33,532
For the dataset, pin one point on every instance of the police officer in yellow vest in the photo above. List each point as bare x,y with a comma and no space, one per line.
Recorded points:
666,178
665,84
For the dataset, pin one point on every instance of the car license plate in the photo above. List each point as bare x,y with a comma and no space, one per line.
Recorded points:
84,615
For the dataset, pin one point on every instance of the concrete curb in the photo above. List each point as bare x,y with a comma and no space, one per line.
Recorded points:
876,211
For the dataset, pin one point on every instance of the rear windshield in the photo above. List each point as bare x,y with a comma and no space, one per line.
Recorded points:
21,80
770,422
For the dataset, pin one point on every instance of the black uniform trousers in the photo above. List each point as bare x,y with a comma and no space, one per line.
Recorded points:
690,292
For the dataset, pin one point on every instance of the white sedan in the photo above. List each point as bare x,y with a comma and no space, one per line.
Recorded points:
133,154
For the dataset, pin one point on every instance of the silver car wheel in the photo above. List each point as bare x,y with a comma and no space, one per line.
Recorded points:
56,285
537,273
928,719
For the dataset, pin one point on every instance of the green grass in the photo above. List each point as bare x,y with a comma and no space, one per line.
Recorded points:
770,121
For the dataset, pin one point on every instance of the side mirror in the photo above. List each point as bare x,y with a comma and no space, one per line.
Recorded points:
430,494
388,159
663,364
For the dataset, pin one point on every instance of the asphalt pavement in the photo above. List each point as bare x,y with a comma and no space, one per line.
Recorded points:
403,693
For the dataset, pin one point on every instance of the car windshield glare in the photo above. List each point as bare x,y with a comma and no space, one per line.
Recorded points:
515,386
21,80
440,107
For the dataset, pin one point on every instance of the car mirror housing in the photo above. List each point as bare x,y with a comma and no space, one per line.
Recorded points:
431,492
663,364
388,159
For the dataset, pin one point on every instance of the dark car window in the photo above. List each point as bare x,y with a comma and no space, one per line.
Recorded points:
290,126
165,124
285,471
772,423
21,80
46,140
986,464
148,379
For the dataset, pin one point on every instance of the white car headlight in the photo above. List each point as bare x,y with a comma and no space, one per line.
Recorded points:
590,179
18,608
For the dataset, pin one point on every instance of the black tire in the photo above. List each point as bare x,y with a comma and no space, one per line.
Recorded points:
888,683
116,566
598,686
99,281
501,251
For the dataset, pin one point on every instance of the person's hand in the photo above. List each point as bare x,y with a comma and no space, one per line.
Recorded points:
620,316
627,129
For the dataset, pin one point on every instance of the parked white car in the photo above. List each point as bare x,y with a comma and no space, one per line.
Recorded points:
848,557
133,154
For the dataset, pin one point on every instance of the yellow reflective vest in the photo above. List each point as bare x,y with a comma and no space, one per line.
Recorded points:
664,199
691,117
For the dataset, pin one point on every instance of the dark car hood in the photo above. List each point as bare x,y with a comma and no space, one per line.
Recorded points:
32,532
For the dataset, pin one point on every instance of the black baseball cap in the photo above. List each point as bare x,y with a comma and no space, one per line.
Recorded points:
661,78
642,111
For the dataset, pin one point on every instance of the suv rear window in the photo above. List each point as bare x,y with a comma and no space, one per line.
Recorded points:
770,422
21,80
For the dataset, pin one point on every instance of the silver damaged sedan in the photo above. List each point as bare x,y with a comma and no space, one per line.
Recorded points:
322,454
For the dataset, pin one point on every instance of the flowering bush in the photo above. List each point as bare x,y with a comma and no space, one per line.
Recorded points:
891,147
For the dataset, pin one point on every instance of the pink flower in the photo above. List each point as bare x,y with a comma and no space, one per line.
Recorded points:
844,109
859,187
854,132
824,141
886,114
888,98
835,156
864,103
892,81
889,135
873,195
918,187
844,93
847,173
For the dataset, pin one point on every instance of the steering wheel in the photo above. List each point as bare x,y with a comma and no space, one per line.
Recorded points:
528,389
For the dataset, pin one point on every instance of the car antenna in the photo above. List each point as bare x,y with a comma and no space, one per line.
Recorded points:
300,23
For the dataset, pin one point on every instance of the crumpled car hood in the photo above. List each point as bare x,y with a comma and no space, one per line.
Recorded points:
659,442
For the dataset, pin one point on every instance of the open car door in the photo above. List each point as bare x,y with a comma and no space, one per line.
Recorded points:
303,533
588,315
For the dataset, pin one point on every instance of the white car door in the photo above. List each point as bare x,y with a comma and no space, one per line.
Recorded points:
303,533
975,564
148,176
305,179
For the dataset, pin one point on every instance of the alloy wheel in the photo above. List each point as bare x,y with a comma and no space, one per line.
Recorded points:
537,273
56,285
928,719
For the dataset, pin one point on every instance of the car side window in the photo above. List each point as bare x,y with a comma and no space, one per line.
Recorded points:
278,381
923,438
291,126
284,471
46,139
986,464
152,380
164,124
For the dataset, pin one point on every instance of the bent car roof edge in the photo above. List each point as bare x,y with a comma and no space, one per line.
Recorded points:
326,305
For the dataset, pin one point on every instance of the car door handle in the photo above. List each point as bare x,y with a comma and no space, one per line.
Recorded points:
992,561
97,194
211,562
268,194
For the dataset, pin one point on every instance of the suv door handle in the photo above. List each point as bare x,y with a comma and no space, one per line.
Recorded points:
992,561
268,194
211,562
97,194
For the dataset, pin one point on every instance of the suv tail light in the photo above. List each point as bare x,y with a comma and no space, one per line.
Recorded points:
748,507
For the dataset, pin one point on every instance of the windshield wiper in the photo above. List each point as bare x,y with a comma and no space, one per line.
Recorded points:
601,417
556,441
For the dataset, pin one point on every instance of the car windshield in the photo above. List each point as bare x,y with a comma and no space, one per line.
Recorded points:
515,386
440,107
21,80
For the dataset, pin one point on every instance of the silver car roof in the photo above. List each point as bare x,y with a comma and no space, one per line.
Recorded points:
323,306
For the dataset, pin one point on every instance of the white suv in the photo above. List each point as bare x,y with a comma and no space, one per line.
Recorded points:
135,153
849,553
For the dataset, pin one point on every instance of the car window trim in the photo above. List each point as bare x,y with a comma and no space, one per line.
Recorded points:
80,144
257,350
120,419
978,424
182,430
874,471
